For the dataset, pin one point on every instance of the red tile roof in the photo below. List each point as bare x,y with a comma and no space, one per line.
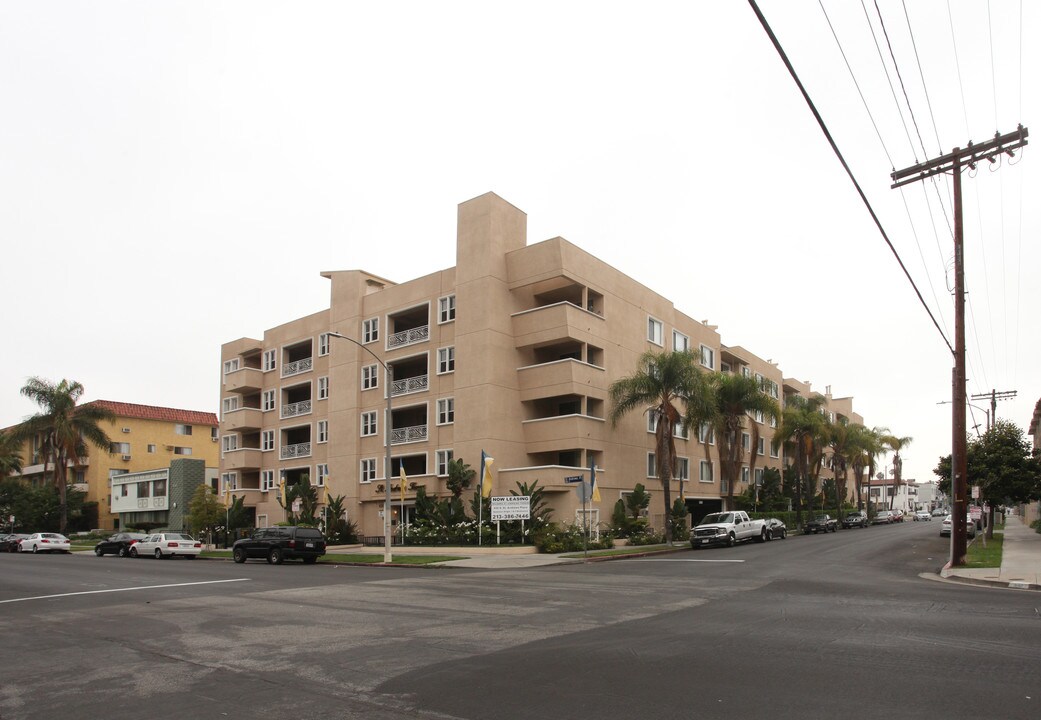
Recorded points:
150,412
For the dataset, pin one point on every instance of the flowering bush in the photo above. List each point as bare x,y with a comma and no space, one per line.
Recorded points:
554,538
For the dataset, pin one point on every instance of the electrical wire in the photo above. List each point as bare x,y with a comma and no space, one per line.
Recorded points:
889,79
845,165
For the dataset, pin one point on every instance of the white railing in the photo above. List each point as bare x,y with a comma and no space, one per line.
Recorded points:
410,385
295,451
296,367
416,433
407,337
298,408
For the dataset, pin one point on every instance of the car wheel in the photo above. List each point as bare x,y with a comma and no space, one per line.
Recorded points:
731,540
275,556
762,536
238,555
693,546
158,554
98,551
784,533
133,552
35,549
122,552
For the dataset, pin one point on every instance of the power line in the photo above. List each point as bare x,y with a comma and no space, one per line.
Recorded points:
889,79
842,160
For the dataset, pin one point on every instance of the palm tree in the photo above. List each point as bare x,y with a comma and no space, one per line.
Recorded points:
10,454
661,384
801,431
64,428
863,447
732,399
896,444
840,440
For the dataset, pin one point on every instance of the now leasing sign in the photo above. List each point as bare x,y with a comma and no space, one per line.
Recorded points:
511,507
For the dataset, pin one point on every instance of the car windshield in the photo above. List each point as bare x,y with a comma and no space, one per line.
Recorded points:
717,518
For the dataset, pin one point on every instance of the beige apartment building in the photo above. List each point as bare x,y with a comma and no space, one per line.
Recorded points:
511,351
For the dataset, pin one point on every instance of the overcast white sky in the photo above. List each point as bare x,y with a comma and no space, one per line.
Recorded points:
146,148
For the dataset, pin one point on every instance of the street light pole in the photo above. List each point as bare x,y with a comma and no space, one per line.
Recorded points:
388,556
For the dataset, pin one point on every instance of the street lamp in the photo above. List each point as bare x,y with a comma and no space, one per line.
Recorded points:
388,556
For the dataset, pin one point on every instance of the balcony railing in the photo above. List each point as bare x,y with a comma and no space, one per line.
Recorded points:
295,451
410,385
298,408
416,433
408,337
297,366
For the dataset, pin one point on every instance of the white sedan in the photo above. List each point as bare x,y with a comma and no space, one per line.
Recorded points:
45,542
164,545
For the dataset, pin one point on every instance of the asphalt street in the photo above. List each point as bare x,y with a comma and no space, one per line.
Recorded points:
852,624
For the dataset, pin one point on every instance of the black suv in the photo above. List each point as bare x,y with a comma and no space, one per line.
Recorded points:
281,543
855,519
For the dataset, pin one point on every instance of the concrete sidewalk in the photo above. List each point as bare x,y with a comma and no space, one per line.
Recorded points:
1020,561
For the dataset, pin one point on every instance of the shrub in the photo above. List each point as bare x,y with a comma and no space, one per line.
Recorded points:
646,537
554,538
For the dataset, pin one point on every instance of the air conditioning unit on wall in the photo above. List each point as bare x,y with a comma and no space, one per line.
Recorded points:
126,429
126,457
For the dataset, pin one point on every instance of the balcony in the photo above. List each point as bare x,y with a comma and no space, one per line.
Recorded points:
242,459
555,323
291,410
297,367
244,380
298,450
153,503
243,419
562,377
408,337
549,477
413,434
563,432
405,386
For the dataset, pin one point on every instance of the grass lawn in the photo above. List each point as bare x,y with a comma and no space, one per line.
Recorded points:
988,557
366,559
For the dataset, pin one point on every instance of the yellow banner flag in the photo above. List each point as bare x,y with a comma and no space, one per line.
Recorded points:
486,475
404,481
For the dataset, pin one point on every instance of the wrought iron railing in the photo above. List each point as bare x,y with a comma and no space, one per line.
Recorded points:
416,433
298,408
295,451
410,385
407,337
297,366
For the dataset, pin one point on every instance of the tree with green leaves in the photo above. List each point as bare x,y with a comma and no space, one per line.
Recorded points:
338,528
460,477
864,446
307,494
896,444
802,432
10,454
667,386
65,429
205,513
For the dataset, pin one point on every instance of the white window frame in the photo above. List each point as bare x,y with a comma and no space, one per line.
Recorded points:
758,475
230,404
682,468
652,465
367,470
369,423
746,442
267,440
323,344
270,360
370,330
679,431
322,432
370,377
321,472
711,472
746,474
711,353
441,459
229,481
446,411
652,422
655,331
758,416
761,450
267,480
683,346
231,365
775,452
268,400
707,430
446,360
446,309
323,388
229,443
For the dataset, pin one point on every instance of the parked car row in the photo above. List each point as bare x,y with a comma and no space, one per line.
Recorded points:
730,528
35,543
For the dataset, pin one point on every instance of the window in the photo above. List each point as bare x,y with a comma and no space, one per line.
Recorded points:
182,429
445,360
758,416
759,477
229,443
683,468
369,378
323,431
746,442
159,488
761,450
267,400
652,465
323,388
119,448
368,470
323,344
708,357
706,475
143,489
270,361
746,474
231,404
228,481
368,423
680,342
442,458
370,330
678,430
654,331
267,480
446,411
151,448
652,421
182,451
706,433
774,452
267,440
321,472
446,309
231,366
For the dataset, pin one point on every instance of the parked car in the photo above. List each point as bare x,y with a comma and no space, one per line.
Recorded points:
727,528
922,515
855,520
9,543
775,529
939,512
167,545
118,544
821,524
45,542
281,543
898,516
945,527
883,517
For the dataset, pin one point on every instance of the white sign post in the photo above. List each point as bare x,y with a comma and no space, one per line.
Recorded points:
510,507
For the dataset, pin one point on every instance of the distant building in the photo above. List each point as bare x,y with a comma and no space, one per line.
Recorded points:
160,497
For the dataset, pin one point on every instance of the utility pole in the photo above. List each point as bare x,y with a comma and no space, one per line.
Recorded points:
952,162
994,396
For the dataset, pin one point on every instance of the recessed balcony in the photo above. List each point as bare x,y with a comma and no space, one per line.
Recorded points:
291,410
561,377
411,434
562,432
555,323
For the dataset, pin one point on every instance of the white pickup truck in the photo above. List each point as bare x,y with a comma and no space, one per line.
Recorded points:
727,528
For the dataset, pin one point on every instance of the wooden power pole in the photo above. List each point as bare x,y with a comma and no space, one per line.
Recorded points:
952,162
